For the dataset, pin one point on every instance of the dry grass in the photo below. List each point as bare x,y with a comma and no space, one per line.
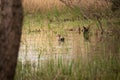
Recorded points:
44,5
41,5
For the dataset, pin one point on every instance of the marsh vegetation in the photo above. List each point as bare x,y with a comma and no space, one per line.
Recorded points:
69,40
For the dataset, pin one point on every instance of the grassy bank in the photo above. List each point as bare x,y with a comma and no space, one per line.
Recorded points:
54,19
97,67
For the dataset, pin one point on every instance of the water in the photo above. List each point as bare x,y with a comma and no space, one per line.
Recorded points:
44,45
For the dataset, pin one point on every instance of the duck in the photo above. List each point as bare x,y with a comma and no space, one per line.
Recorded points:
86,32
61,38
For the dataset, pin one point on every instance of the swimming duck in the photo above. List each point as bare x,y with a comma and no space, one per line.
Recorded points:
86,32
61,38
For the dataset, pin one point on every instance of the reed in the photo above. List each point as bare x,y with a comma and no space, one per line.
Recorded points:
41,5
45,5
99,67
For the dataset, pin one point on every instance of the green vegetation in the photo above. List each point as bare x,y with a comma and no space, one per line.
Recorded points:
54,20
97,65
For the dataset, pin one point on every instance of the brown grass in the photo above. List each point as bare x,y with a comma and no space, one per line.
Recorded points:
45,5
41,5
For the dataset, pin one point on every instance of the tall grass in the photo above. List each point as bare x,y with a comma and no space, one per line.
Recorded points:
41,5
49,5
99,67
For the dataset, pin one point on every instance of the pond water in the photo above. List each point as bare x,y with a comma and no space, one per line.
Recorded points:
44,45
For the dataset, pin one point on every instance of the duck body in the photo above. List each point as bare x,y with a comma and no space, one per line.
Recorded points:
60,38
86,32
